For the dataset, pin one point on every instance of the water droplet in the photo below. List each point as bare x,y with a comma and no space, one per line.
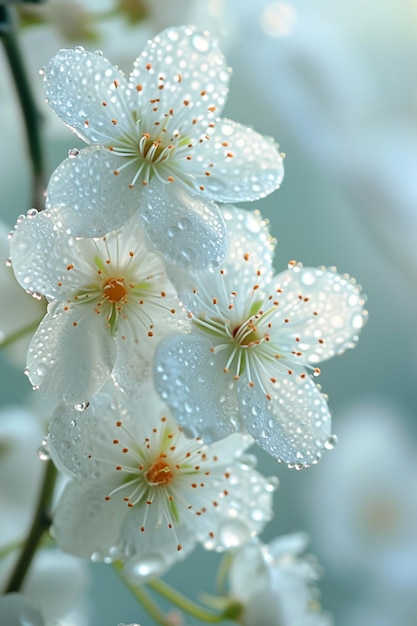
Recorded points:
272,483
8,262
32,213
82,406
79,48
42,370
150,565
200,42
98,53
96,557
233,534
330,442
73,153
43,452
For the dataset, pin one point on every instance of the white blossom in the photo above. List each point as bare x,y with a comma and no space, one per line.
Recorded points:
109,300
255,338
276,585
143,493
157,146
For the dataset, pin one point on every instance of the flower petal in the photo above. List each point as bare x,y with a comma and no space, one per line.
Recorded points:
86,198
181,65
201,400
250,252
294,425
40,255
324,309
85,524
188,231
80,87
71,354
247,166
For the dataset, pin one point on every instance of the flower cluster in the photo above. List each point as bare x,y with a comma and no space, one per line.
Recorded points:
169,345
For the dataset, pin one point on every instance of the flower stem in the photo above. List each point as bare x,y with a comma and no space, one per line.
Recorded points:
183,603
144,598
40,524
31,115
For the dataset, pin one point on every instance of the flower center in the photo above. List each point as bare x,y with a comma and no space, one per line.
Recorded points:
159,472
246,334
114,290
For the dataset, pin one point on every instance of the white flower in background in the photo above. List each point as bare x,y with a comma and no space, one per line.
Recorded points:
18,311
364,517
144,493
16,609
158,146
55,581
254,340
109,299
276,585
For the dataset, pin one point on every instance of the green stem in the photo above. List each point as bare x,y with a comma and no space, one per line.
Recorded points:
31,115
30,328
40,524
144,598
184,603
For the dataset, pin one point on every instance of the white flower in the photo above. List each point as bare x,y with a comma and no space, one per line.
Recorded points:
158,146
109,302
143,492
364,516
244,366
275,585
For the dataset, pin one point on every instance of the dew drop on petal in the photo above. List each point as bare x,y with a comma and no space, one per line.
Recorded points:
43,452
32,213
82,406
8,262
272,484
73,153
147,566
233,534
96,557
330,442
200,42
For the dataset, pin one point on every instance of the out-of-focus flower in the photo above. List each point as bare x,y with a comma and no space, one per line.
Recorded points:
109,299
55,581
144,493
276,585
16,609
158,146
245,365
365,510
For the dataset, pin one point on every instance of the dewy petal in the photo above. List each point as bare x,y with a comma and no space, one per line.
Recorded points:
189,231
247,166
71,354
87,92
40,255
85,524
150,554
83,197
201,401
294,425
188,65
250,249
329,316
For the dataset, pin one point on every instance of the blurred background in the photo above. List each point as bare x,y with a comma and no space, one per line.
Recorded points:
335,84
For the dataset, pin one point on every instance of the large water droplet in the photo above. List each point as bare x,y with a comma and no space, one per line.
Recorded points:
330,442
232,534
150,565
32,213
200,42
73,153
